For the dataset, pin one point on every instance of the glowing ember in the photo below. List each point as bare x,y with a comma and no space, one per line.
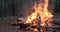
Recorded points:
41,10
41,30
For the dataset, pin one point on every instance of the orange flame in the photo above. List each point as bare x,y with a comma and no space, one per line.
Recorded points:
41,10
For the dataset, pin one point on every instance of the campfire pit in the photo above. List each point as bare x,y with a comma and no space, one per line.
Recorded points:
54,26
40,20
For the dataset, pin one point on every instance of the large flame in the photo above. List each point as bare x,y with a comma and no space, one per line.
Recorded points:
41,10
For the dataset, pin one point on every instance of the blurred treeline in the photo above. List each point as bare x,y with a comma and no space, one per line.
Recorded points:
57,6
16,7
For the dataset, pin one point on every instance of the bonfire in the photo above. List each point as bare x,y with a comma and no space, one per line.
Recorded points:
41,16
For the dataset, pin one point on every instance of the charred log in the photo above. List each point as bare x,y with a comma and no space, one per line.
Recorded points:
56,21
23,26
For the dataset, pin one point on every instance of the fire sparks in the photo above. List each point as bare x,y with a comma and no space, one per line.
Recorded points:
41,10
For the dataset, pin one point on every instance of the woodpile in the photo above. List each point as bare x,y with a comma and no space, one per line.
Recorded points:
21,21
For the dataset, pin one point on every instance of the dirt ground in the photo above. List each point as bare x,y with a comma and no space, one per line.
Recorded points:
6,27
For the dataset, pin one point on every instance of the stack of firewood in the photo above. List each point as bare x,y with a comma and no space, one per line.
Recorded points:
21,21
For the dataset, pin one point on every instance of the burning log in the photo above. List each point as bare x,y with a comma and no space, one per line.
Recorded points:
20,22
